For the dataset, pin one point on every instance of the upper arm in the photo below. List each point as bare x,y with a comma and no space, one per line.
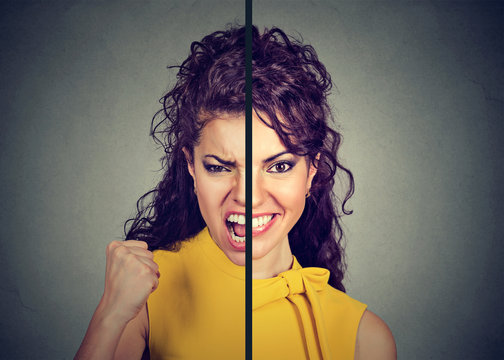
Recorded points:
134,338
374,339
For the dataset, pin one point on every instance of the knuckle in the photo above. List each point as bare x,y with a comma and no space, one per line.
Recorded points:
121,251
112,245
137,243
145,269
129,257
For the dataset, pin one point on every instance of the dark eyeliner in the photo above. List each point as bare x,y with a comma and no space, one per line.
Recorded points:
289,163
214,169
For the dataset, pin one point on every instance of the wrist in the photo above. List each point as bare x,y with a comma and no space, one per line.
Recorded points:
102,335
109,317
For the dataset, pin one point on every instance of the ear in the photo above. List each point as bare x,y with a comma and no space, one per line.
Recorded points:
190,162
312,171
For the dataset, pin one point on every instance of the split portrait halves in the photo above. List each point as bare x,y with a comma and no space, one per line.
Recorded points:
251,180
175,287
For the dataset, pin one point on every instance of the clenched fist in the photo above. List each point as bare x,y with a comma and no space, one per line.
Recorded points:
131,275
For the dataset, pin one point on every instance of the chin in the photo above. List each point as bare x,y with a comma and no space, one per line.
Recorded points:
237,259
260,250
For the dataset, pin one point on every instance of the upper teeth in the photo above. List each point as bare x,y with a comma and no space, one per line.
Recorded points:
237,218
257,221
261,220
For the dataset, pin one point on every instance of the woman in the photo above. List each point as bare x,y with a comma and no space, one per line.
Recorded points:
195,309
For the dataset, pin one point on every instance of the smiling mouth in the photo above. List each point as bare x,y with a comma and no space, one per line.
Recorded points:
236,225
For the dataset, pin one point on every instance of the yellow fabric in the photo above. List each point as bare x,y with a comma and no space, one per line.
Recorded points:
198,310
297,315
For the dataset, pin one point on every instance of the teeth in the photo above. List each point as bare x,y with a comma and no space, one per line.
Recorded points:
257,221
261,220
236,237
233,235
236,218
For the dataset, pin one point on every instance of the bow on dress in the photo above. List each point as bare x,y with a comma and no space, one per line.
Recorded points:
294,284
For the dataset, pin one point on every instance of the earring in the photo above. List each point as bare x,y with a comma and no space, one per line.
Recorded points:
195,192
307,194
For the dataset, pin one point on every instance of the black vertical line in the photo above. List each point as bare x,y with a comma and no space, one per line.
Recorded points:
248,179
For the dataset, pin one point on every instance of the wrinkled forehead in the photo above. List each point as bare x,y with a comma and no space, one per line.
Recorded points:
278,123
223,135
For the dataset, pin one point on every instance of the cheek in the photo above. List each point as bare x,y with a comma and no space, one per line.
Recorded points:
211,192
292,194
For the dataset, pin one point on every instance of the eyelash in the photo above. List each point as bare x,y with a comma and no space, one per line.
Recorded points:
219,169
289,164
215,168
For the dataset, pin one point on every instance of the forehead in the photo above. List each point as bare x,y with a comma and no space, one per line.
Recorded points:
225,135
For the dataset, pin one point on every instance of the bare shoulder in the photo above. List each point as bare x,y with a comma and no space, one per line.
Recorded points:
135,337
374,339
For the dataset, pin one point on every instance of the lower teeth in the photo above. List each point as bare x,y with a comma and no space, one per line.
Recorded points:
235,237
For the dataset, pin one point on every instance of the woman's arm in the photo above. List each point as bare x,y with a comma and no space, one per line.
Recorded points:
135,338
374,339
118,328
105,339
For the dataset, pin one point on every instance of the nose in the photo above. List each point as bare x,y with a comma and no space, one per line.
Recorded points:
238,190
258,190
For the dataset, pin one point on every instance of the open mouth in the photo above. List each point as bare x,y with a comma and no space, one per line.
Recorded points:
236,225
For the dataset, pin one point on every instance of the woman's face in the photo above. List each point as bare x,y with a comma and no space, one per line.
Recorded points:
280,181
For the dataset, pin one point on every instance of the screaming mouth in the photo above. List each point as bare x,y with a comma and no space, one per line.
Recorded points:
236,225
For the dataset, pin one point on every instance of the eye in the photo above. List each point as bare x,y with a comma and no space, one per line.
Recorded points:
280,167
215,168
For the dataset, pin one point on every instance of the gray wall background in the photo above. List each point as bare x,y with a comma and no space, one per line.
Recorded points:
419,100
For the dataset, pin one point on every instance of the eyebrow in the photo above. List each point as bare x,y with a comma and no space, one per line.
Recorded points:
232,163
222,161
271,158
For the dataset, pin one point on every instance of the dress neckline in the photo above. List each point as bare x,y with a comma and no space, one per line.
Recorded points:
214,254
260,283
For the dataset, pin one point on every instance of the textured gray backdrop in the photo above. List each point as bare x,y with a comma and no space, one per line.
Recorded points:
419,100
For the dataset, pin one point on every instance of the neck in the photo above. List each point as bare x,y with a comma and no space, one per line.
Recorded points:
273,263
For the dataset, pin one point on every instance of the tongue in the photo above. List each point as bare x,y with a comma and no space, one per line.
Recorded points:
239,230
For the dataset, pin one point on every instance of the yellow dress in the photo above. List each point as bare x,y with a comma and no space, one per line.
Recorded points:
297,315
198,310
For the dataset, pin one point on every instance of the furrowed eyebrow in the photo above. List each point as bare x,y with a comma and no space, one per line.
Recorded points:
224,162
271,158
